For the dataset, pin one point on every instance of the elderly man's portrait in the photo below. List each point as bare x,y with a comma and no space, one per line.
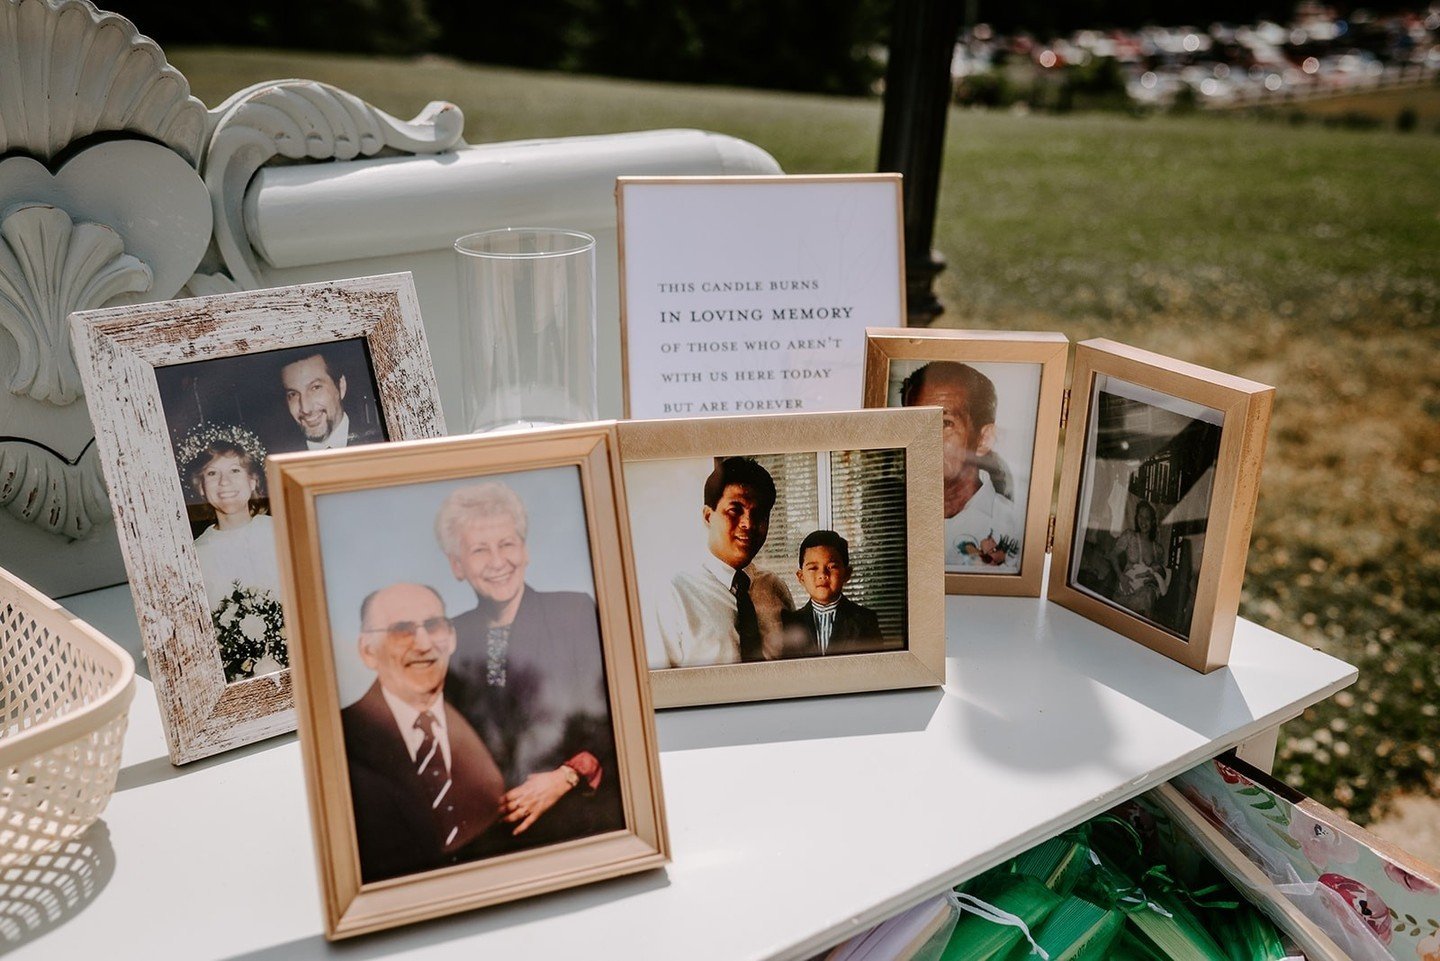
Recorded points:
224,417
768,557
988,446
466,635
425,788
1145,492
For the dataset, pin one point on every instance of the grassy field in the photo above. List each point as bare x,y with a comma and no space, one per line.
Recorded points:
1304,257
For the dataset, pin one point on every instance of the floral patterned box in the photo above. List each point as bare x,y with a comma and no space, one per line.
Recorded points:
1374,899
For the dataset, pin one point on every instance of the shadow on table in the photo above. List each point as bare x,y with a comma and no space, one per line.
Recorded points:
1211,705
798,719
1056,664
1014,698
158,769
418,938
47,890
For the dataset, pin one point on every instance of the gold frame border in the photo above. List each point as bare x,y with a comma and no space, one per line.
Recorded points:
1246,407
917,431
1051,351
350,907
781,179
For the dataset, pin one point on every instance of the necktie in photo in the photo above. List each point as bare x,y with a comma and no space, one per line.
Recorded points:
430,765
824,626
746,623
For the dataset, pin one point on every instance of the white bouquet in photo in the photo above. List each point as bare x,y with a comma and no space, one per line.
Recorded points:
250,628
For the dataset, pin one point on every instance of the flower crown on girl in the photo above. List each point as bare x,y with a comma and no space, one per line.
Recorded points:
207,434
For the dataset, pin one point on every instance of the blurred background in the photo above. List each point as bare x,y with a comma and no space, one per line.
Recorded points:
1254,187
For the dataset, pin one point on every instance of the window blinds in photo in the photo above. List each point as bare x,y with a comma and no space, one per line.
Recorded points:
861,496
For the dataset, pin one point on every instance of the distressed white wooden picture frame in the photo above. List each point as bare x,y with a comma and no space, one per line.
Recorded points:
118,350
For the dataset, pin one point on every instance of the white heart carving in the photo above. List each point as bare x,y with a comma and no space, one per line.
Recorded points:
146,193
121,222
50,266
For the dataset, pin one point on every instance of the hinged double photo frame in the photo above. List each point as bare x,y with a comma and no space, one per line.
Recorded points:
1157,489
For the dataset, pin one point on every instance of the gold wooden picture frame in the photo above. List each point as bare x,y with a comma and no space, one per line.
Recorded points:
754,285
365,530
998,477
1157,499
821,513
191,386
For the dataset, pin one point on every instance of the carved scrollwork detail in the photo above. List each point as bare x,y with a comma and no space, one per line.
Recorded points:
301,120
39,486
205,284
68,70
51,265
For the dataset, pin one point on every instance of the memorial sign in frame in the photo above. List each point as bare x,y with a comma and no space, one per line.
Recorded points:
1002,394
750,295
1157,499
474,716
189,397
787,556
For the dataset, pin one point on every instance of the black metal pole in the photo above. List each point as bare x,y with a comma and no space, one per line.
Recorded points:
912,134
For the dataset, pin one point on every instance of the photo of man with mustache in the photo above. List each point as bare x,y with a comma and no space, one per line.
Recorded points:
315,392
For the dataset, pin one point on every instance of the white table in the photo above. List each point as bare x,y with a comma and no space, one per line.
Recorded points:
794,824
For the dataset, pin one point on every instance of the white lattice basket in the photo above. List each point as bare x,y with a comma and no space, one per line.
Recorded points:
66,690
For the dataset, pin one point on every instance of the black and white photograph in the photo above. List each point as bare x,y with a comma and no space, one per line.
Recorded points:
988,447
469,668
1146,487
224,416
769,557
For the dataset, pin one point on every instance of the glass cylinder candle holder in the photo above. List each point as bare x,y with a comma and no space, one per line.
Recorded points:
527,327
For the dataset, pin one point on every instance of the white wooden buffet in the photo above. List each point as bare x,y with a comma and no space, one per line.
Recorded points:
794,824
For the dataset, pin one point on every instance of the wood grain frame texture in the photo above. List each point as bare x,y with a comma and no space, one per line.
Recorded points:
775,179
1049,350
917,431
117,350
1245,406
350,907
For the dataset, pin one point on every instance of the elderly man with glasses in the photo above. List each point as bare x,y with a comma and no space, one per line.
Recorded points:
424,786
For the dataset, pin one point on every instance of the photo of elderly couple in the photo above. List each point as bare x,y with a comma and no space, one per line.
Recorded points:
769,557
470,669
224,417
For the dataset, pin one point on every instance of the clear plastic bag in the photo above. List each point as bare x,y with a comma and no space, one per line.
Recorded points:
1333,916
919,934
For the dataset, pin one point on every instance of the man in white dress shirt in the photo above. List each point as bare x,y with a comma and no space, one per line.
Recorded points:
423,785
982,526
725,609
315,393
